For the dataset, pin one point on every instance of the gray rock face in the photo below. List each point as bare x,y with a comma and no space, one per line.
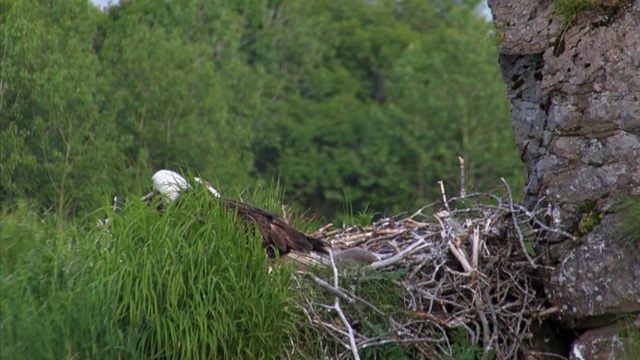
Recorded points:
604,343
575,108
529,27
597,277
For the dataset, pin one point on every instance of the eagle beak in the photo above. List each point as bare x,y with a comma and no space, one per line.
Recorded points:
211,189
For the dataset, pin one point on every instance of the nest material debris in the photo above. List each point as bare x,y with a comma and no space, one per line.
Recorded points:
468,267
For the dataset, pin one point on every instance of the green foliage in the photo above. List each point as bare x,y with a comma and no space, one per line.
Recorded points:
186,283
39,269
463,348
362,218
589,217
588,221
365,102
631,338
365,217
377,289
174,99
498,37
388,108
21,234
436,91
630,227
58,147
569,9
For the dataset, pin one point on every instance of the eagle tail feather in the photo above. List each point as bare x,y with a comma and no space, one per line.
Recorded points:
318,245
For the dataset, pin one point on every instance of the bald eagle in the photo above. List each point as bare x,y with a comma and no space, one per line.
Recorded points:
278,237
168,184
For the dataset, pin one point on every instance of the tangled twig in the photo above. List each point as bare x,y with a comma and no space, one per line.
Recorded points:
470,269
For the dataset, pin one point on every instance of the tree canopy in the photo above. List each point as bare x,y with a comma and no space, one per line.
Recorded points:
361,102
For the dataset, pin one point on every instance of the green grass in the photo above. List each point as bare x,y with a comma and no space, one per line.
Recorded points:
631,339
463,348
184,284
374,286
350,218
630,227
569,9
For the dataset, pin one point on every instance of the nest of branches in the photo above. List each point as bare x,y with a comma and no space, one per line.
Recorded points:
464,278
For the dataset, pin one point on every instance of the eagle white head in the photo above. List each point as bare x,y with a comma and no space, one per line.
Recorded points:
169,184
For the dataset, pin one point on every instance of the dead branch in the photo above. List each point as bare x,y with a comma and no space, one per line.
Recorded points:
515,225
457,271
336,306
463,184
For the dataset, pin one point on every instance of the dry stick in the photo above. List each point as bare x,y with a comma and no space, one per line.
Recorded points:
334,290
374,342
419,212
461,258
370,305
463,185
334,334
520,324
549,311
475,245
460,308
418,245
444,196
324,228
422,264
494,318
334,232
432,299
515,224
452,247
486,333
335,328
456,252
542,225
426,294
352,340
354,240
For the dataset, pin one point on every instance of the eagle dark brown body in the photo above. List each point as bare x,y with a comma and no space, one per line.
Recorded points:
277,235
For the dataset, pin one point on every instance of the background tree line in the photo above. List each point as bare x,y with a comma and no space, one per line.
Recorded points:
360,102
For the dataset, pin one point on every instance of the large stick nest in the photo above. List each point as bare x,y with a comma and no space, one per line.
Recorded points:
467,267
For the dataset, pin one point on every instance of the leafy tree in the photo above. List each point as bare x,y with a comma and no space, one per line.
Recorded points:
368,103
449,102
58,147
378,100
174,78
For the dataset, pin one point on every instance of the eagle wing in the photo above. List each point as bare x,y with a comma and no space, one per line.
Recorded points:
276,233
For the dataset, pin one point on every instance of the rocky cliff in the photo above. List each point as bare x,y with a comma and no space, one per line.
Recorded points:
574,84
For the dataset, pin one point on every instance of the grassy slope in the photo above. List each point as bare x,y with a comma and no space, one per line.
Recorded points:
151,286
